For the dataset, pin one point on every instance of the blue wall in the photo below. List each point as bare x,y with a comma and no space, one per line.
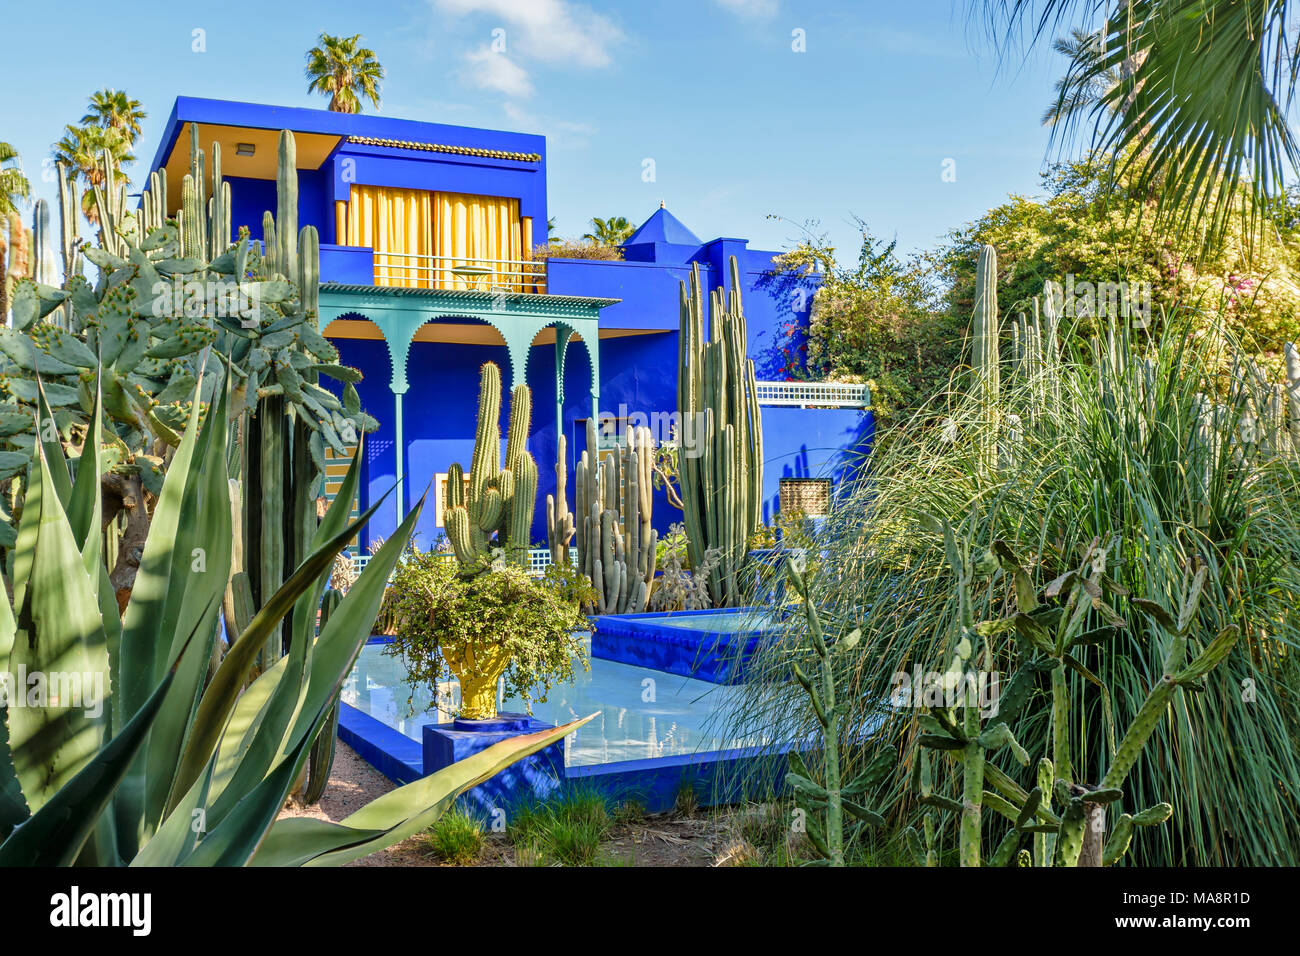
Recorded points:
638,372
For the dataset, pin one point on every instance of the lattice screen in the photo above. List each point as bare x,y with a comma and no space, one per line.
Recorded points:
808,496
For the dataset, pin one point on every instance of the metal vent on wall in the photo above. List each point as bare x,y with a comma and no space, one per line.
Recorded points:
808,496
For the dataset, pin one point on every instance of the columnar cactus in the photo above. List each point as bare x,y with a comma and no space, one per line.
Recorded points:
617,547
721,459
985,361
495,510
559,519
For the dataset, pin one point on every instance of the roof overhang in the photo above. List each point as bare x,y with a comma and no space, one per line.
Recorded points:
312,150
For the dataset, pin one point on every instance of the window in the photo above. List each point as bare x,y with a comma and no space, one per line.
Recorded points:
436,240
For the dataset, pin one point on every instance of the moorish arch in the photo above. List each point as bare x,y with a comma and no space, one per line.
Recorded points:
519,317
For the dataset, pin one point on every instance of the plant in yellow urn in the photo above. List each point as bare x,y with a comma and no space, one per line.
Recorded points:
482,626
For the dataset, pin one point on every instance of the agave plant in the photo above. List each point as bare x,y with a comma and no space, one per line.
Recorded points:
181,768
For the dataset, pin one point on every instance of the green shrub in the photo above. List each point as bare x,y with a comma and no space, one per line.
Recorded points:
439,609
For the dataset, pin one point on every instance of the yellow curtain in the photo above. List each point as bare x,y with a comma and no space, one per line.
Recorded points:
435,240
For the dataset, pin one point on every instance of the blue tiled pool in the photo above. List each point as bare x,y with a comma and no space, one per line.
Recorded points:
642,713
657,683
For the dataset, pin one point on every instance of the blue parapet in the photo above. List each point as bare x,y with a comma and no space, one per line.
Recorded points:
713,653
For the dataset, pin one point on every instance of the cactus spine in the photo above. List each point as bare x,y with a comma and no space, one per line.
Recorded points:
617,547
722,430
498,501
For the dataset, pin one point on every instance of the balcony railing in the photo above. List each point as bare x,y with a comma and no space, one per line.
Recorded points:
814,394
412,271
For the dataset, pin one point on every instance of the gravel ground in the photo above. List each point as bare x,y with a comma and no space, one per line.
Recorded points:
663,839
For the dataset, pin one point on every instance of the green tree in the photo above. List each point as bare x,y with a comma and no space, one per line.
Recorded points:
81,149
344,70
14,186
879,320
1201,109
1081,90
1087,228
113,109
613,231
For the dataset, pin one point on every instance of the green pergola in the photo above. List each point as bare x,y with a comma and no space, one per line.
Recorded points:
520,317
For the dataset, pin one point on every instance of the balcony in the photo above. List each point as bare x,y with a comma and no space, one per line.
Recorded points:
814,394
360,265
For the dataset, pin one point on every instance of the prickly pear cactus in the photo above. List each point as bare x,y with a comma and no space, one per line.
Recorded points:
174,295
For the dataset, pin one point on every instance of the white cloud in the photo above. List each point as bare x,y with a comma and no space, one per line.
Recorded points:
496,71
553,31
759,9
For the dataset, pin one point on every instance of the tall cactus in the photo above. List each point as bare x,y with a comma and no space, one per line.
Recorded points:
722,432
985,362
617,547
559,519
495,511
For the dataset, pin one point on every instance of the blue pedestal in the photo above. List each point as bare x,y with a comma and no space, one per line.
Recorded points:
537,776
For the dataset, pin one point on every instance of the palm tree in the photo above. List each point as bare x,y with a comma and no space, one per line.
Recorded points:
82,149
339,67
13,184
613,231
1199,116
1076,94
113,109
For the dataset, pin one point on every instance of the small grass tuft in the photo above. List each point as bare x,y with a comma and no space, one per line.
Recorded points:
457,838
687,801
628,812
567,829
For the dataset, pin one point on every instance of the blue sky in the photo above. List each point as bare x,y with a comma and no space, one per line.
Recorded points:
738,124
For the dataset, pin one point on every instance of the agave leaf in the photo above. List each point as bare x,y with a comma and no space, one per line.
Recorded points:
151,623
219,698
59,633
204,541
335,520
13,808
300,709
55,834
401,812
85,507
238,834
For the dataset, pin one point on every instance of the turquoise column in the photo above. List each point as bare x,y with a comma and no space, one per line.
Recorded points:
562,335
399,449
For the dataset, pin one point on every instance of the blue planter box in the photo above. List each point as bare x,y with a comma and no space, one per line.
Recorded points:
535,777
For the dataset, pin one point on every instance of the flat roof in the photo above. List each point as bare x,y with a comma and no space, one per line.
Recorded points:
318,133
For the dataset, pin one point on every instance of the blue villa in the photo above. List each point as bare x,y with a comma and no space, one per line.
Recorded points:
430,266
